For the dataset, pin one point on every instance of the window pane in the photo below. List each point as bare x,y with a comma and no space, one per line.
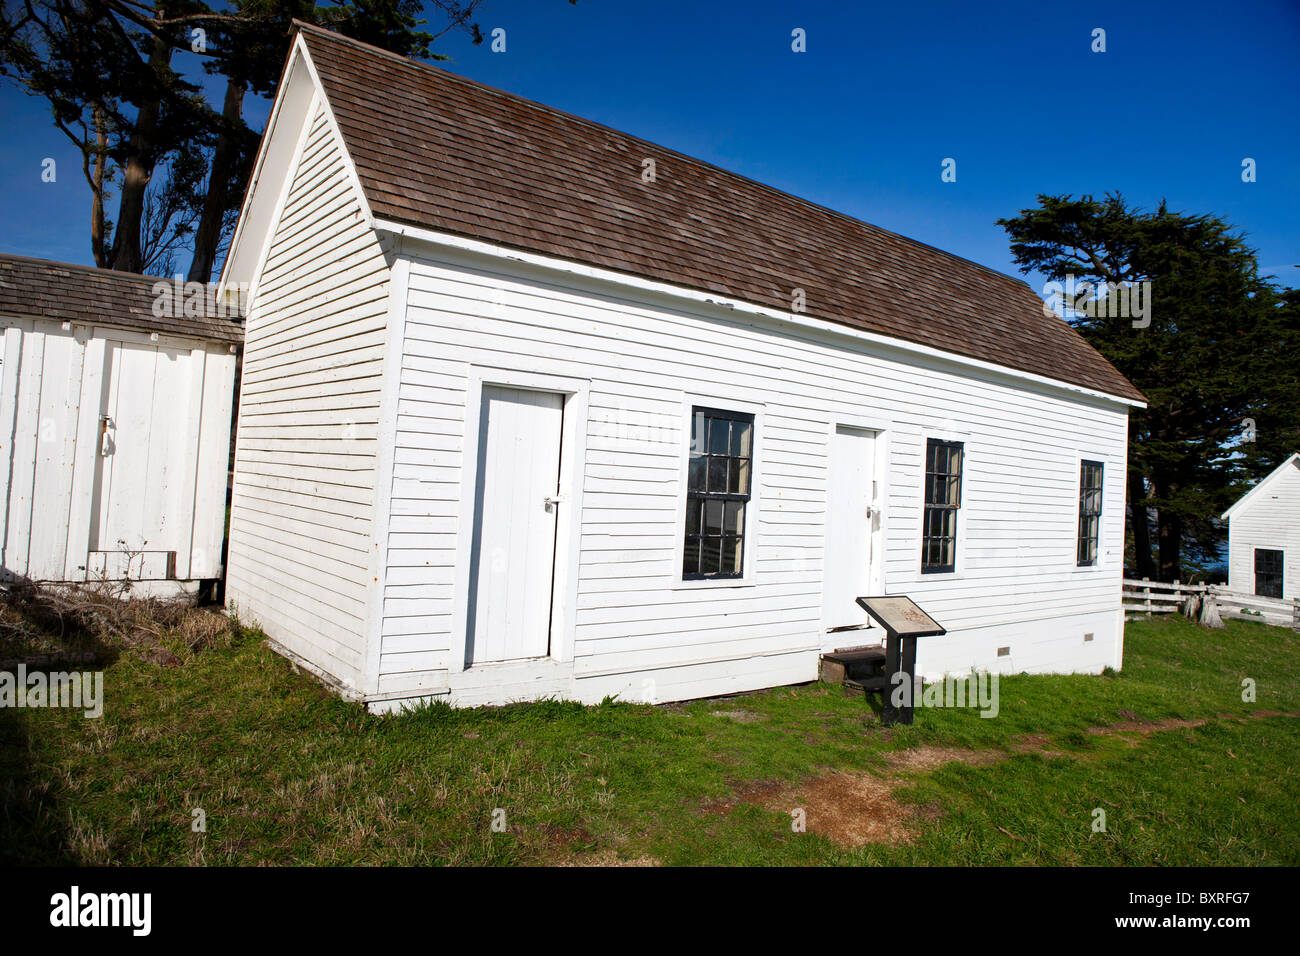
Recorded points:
713,517
717,475
719,436
1268,561
731,555
735,518
699,433
695,477
693,507
738,483
742,436
711,555
691,557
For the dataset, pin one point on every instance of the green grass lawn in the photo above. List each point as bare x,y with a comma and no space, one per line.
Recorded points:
288,774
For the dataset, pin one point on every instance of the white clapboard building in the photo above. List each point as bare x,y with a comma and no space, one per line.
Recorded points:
115,410
532,407
1264,535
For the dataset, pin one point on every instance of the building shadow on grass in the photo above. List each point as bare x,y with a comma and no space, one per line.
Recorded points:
33,830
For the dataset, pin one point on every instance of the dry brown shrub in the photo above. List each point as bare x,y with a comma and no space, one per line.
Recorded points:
40,623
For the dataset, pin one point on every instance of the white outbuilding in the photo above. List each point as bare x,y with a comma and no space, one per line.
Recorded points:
115,411
532,407
1264,535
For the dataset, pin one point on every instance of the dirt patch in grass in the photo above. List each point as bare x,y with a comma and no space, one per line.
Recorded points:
1144,726
1040,744
927,758
1137,725
740,716
851,809
854,809
558,836
756,792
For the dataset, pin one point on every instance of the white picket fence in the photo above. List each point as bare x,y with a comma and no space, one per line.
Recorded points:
1144,598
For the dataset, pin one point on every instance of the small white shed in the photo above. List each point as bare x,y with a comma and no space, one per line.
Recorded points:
1264,535
115,412
532,407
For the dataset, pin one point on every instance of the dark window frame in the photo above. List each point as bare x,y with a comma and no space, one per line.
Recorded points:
941,512
1278,572
734,465
1087,548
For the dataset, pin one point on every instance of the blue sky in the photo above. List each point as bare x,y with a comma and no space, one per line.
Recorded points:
862,121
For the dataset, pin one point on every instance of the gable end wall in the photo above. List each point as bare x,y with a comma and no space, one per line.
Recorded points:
1271,519
303,508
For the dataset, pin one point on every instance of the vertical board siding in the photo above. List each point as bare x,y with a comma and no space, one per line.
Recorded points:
302,512
57,494
645,358
1269,520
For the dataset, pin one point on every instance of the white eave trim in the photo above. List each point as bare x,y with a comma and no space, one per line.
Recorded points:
297,52
694,295
1267,479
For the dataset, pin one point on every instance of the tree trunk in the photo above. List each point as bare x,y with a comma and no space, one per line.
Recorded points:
127,254
98,241
208,234
1144,565
1170,529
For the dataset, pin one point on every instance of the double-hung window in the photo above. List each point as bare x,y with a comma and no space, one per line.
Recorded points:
717,493
1089,512
1268,572
943,466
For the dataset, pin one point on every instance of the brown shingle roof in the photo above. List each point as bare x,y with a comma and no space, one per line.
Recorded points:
71,293
437,150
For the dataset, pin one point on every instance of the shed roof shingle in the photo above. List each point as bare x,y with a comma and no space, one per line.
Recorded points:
437,150
71,293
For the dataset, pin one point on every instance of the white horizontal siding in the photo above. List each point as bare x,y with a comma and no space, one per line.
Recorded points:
1271,519
303,509
643,355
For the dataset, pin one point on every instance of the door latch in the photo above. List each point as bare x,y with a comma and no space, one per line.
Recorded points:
552,500
105,442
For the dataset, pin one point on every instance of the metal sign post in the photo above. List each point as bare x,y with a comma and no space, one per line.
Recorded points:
903,622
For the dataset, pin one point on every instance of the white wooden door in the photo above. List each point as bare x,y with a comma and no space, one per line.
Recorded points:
850,497
512,563
145,472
